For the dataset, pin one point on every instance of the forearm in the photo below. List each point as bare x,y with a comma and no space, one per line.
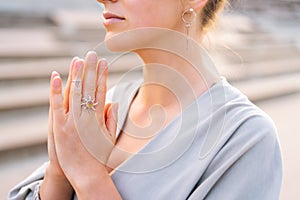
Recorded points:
55,186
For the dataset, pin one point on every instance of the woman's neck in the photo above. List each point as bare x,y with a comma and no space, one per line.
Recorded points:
169,79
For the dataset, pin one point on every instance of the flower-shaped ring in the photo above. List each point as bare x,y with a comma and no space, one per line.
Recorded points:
89,103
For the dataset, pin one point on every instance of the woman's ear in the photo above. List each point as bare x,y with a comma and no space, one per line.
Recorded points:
197,5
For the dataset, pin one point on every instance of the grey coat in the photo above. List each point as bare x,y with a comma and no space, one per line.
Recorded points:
221,147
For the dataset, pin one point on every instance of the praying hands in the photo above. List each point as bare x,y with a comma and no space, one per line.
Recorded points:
81,134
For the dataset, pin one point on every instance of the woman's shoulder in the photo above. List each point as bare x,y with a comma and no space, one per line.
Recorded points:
236,121
245,124
240,110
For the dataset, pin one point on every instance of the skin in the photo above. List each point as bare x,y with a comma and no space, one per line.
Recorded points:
65,172
72,167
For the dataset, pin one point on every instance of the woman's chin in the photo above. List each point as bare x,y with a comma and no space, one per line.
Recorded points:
133,39
122,41
115,42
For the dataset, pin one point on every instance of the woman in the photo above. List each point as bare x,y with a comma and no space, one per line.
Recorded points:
181,133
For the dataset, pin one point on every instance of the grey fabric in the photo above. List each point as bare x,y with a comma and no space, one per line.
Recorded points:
29,188
220,147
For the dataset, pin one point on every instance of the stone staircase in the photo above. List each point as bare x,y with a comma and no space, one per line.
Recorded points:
252,59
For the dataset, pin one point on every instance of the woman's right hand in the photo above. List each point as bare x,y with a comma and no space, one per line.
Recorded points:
55,181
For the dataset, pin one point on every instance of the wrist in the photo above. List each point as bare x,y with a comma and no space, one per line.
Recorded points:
55,185
90,185
55,173
86,178
96,185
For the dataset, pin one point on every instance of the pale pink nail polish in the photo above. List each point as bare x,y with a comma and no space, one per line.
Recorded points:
56,82
103,64
79,65
92,57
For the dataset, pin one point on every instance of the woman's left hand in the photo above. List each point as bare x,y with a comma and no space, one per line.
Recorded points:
84,136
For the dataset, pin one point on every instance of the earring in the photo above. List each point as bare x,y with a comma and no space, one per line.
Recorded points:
188,16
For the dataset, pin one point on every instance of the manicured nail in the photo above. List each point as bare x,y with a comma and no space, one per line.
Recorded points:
103,63
92,57
53,74
75,58
56,82
79,64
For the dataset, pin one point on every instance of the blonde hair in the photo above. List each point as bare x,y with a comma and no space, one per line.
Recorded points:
210,12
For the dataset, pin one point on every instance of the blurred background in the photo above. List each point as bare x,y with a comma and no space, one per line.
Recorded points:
255,45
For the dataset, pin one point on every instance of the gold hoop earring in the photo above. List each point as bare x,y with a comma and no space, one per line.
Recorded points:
188,16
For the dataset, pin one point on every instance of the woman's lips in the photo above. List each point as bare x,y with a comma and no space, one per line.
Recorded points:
111,18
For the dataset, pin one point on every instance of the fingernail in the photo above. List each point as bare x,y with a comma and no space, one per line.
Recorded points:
53,74
56,82
79,64
92,56
103,63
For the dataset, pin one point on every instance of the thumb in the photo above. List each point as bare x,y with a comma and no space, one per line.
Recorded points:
112,120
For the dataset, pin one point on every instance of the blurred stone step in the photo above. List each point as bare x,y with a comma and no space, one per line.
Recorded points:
259,89
23,128
9,19
44,7
42,68
258,53
235,40
237,22
24,95
76,25
239,72
26,43
30,94
78,19
91,37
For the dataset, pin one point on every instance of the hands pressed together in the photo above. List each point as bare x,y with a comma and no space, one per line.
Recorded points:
81,134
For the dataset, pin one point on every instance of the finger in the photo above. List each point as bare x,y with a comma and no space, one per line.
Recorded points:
89,76
76,88
56,100
111,121
50,120
75,80
50,141
53,76
102,72
50,128
106,107
68,86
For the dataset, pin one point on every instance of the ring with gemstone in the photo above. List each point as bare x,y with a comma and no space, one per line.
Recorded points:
89,103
